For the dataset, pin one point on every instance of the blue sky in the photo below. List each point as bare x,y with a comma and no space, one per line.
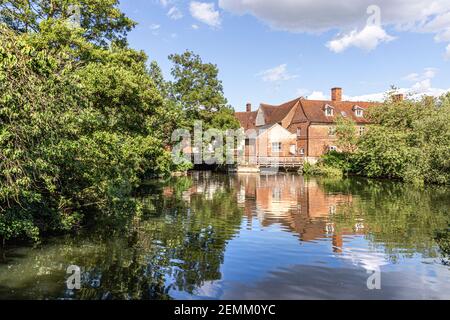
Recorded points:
274,51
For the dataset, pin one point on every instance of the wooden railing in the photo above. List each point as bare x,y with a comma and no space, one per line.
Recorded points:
276,161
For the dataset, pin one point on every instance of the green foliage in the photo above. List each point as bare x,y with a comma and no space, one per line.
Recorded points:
397,218
346,134
339,160
409,141
199,92
74,142
101,21
83,120
321,169
80,127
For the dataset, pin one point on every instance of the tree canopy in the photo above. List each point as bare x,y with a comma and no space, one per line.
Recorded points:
84,119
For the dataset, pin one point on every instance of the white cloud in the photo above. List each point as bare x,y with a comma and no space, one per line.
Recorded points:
323,15
195,27
302,92
155,26
417,91
440,25
378,97
278,73
368,39
155,29
164,3
443,36
447,52
412,77
421,85
205,12
174,13
316,16
317,95
428,73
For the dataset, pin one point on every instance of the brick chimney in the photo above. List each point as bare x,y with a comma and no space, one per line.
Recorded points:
398,97
336,94
249,107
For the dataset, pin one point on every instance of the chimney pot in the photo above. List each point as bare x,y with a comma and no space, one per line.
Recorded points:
249,107
336,94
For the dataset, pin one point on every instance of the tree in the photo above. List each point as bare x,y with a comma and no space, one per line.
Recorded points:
346,134
196,87
74,142
81,124
408,141
172,116
102,21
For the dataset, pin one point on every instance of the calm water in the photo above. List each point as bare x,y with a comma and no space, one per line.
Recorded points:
252,237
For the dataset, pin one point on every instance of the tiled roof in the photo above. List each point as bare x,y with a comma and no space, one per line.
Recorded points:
247,119
305,111
314,110
276,114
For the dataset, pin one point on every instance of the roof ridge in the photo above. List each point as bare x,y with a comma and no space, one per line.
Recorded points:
285,103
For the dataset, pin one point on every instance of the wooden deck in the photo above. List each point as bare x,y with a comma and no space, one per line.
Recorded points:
284,162
255,164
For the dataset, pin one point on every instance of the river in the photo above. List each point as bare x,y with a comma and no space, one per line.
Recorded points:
216,236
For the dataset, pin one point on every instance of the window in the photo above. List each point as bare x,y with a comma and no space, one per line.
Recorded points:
362,130
332,131
276,147
359,112
329,111
299,133
332,148
301,151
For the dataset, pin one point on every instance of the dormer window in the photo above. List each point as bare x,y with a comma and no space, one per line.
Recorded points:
329,111
359,112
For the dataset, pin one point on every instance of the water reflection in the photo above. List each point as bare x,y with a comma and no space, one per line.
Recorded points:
211,236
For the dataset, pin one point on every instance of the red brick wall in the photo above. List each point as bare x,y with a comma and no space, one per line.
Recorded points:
320,140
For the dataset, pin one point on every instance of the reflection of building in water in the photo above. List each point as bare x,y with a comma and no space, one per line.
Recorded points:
202,185
295,203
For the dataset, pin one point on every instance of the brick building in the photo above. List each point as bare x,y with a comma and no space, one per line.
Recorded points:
299,128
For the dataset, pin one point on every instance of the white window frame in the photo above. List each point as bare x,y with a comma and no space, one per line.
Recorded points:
359,113
329,111
279,147
332,148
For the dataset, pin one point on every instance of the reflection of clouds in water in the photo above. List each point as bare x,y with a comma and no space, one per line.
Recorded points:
210,289
368,260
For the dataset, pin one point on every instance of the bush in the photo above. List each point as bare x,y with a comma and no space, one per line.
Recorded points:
322,169
409,141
